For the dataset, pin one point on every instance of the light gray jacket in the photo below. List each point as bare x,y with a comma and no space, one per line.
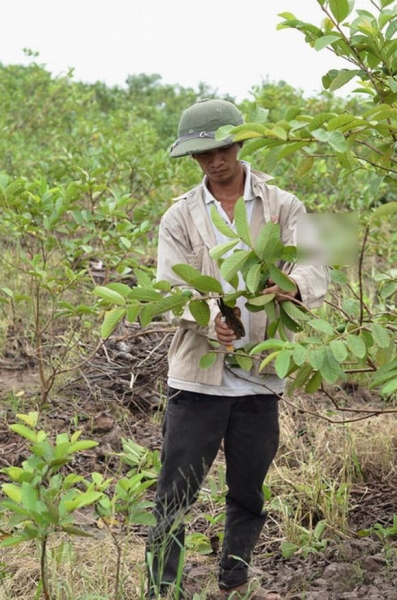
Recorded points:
186,236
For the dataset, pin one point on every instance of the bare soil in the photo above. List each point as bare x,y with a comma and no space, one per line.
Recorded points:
120,394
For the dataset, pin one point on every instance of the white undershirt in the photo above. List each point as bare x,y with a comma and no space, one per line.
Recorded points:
238,382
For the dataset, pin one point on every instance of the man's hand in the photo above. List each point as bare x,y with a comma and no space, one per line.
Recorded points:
281,295
225,335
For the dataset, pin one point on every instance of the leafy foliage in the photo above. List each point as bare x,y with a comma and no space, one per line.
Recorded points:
87,176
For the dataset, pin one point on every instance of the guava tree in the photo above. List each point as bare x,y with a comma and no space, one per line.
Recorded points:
357,335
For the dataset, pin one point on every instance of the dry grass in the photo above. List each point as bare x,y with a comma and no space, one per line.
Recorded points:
79,568
319,463
311,479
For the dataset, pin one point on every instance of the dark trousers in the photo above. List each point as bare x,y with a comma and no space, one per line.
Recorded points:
194,427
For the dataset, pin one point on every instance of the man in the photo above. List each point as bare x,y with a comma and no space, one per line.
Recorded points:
206,406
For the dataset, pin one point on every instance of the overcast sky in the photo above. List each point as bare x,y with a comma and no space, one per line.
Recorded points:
229,44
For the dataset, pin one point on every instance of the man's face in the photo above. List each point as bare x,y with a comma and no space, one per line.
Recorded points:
220,165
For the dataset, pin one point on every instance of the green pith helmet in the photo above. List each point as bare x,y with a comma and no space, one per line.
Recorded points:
199,123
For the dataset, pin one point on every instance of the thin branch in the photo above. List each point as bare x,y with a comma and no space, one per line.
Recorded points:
360,274
358,61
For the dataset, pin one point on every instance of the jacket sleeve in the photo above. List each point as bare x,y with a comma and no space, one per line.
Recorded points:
174,247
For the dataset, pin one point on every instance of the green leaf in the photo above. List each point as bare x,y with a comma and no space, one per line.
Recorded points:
288,549
282,363
268,345
314,383
381,335
247,131
261,300
388,289
287,321
218,251
30,419
244,362
169,303
241,221
83,499
338,276
391,30
390,387
271,311
282,280
142,518
268,360
29,497
133,311
337,141
12,491
206,284
357,346
316,357
290,149
368,338
162,285
269,234
12,540
110,295
253,278
320,134
384,211
343,77
299,354
339,350
208,360
330,369
145,315
200,312
221,225
120,288
341,121
252,146
80,445
351,306
144,294
233,264
73,530
325,40
17,474
186,272
24,431
289,253
294,311
202,283
301,377
305,165
143,278
340,9
385,373
321,325
111,320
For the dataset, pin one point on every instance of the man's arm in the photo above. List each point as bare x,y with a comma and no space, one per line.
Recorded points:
174,247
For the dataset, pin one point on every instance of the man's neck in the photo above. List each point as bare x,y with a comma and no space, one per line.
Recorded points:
229,190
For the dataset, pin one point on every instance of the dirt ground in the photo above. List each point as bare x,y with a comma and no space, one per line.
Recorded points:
109,404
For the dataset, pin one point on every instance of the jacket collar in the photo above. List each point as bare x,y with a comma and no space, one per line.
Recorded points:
195,199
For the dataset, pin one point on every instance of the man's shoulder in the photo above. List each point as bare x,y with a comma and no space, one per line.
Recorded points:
191,195
180,206
260,176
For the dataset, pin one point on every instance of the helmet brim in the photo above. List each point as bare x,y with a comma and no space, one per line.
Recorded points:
198,145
